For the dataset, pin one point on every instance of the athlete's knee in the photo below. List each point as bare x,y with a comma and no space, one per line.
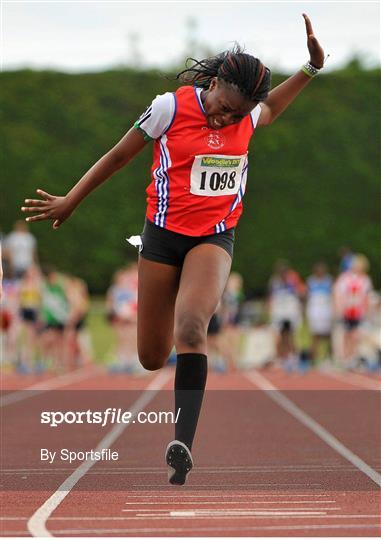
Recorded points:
190,330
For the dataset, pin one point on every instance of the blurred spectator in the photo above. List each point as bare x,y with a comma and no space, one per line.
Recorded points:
121,305
216,352
54,316
346,255
352,292
77,339
286,289
29,307
231,299
370,337
1,271
9,317
230,338
319,307
20,247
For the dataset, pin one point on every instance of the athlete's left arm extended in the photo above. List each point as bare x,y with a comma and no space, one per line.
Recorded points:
283,95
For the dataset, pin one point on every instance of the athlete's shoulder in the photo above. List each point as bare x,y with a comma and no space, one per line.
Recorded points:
158,117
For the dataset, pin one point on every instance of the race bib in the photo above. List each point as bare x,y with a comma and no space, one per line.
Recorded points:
216,175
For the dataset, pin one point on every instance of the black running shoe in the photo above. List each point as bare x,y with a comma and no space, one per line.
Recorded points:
179,461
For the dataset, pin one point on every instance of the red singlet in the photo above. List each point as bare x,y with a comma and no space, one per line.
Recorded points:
198,174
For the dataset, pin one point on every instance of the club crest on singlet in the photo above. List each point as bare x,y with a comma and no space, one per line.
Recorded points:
215,140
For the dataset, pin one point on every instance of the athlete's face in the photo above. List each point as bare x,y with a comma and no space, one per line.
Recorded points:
224,105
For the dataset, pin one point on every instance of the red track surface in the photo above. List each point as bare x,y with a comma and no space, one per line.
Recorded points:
258,470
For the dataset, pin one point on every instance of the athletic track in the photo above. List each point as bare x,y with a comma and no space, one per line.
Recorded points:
287,455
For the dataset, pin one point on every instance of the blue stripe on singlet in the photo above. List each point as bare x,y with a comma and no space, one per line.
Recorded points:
198,91
221,226
161,175
162,184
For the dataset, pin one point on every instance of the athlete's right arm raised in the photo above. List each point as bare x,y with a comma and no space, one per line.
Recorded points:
60,208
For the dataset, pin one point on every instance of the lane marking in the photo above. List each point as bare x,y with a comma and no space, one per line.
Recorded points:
127,518
37,523
139,470
45,386
142,517
196,513
128,531
232,511
203,495
354,379
276,395
160,473
226,488
225,502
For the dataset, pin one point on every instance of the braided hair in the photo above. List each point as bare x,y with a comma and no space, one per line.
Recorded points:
245,72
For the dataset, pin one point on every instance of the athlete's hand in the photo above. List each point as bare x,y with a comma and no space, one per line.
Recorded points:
314,47
48,207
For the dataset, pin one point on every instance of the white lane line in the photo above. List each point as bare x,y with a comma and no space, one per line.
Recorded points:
224,502
276,395
128,518
197,513
156,517
229,487
129,531
144,469
203,470
37,523
45,386
235,495
354,379
194,473
232,511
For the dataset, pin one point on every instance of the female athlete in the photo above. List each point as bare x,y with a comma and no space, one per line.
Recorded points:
201,135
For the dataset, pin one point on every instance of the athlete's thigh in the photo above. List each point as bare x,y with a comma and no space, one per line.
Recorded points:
157,289
203,279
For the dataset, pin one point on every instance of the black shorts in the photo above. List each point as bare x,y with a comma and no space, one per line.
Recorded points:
351,324
168,247
29,315
286,327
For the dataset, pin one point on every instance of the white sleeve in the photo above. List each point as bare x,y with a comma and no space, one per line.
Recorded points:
158,116
255,114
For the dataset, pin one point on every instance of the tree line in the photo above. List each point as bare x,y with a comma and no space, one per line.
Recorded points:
313,182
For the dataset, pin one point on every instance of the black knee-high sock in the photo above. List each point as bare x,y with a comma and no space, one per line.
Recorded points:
190,381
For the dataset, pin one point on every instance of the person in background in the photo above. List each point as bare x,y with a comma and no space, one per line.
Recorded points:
1,270
216,350
54,316
346,256
20,247
370,339
29,308
77,339
319,308
352,293
230,305
121,305
286,290
9,317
